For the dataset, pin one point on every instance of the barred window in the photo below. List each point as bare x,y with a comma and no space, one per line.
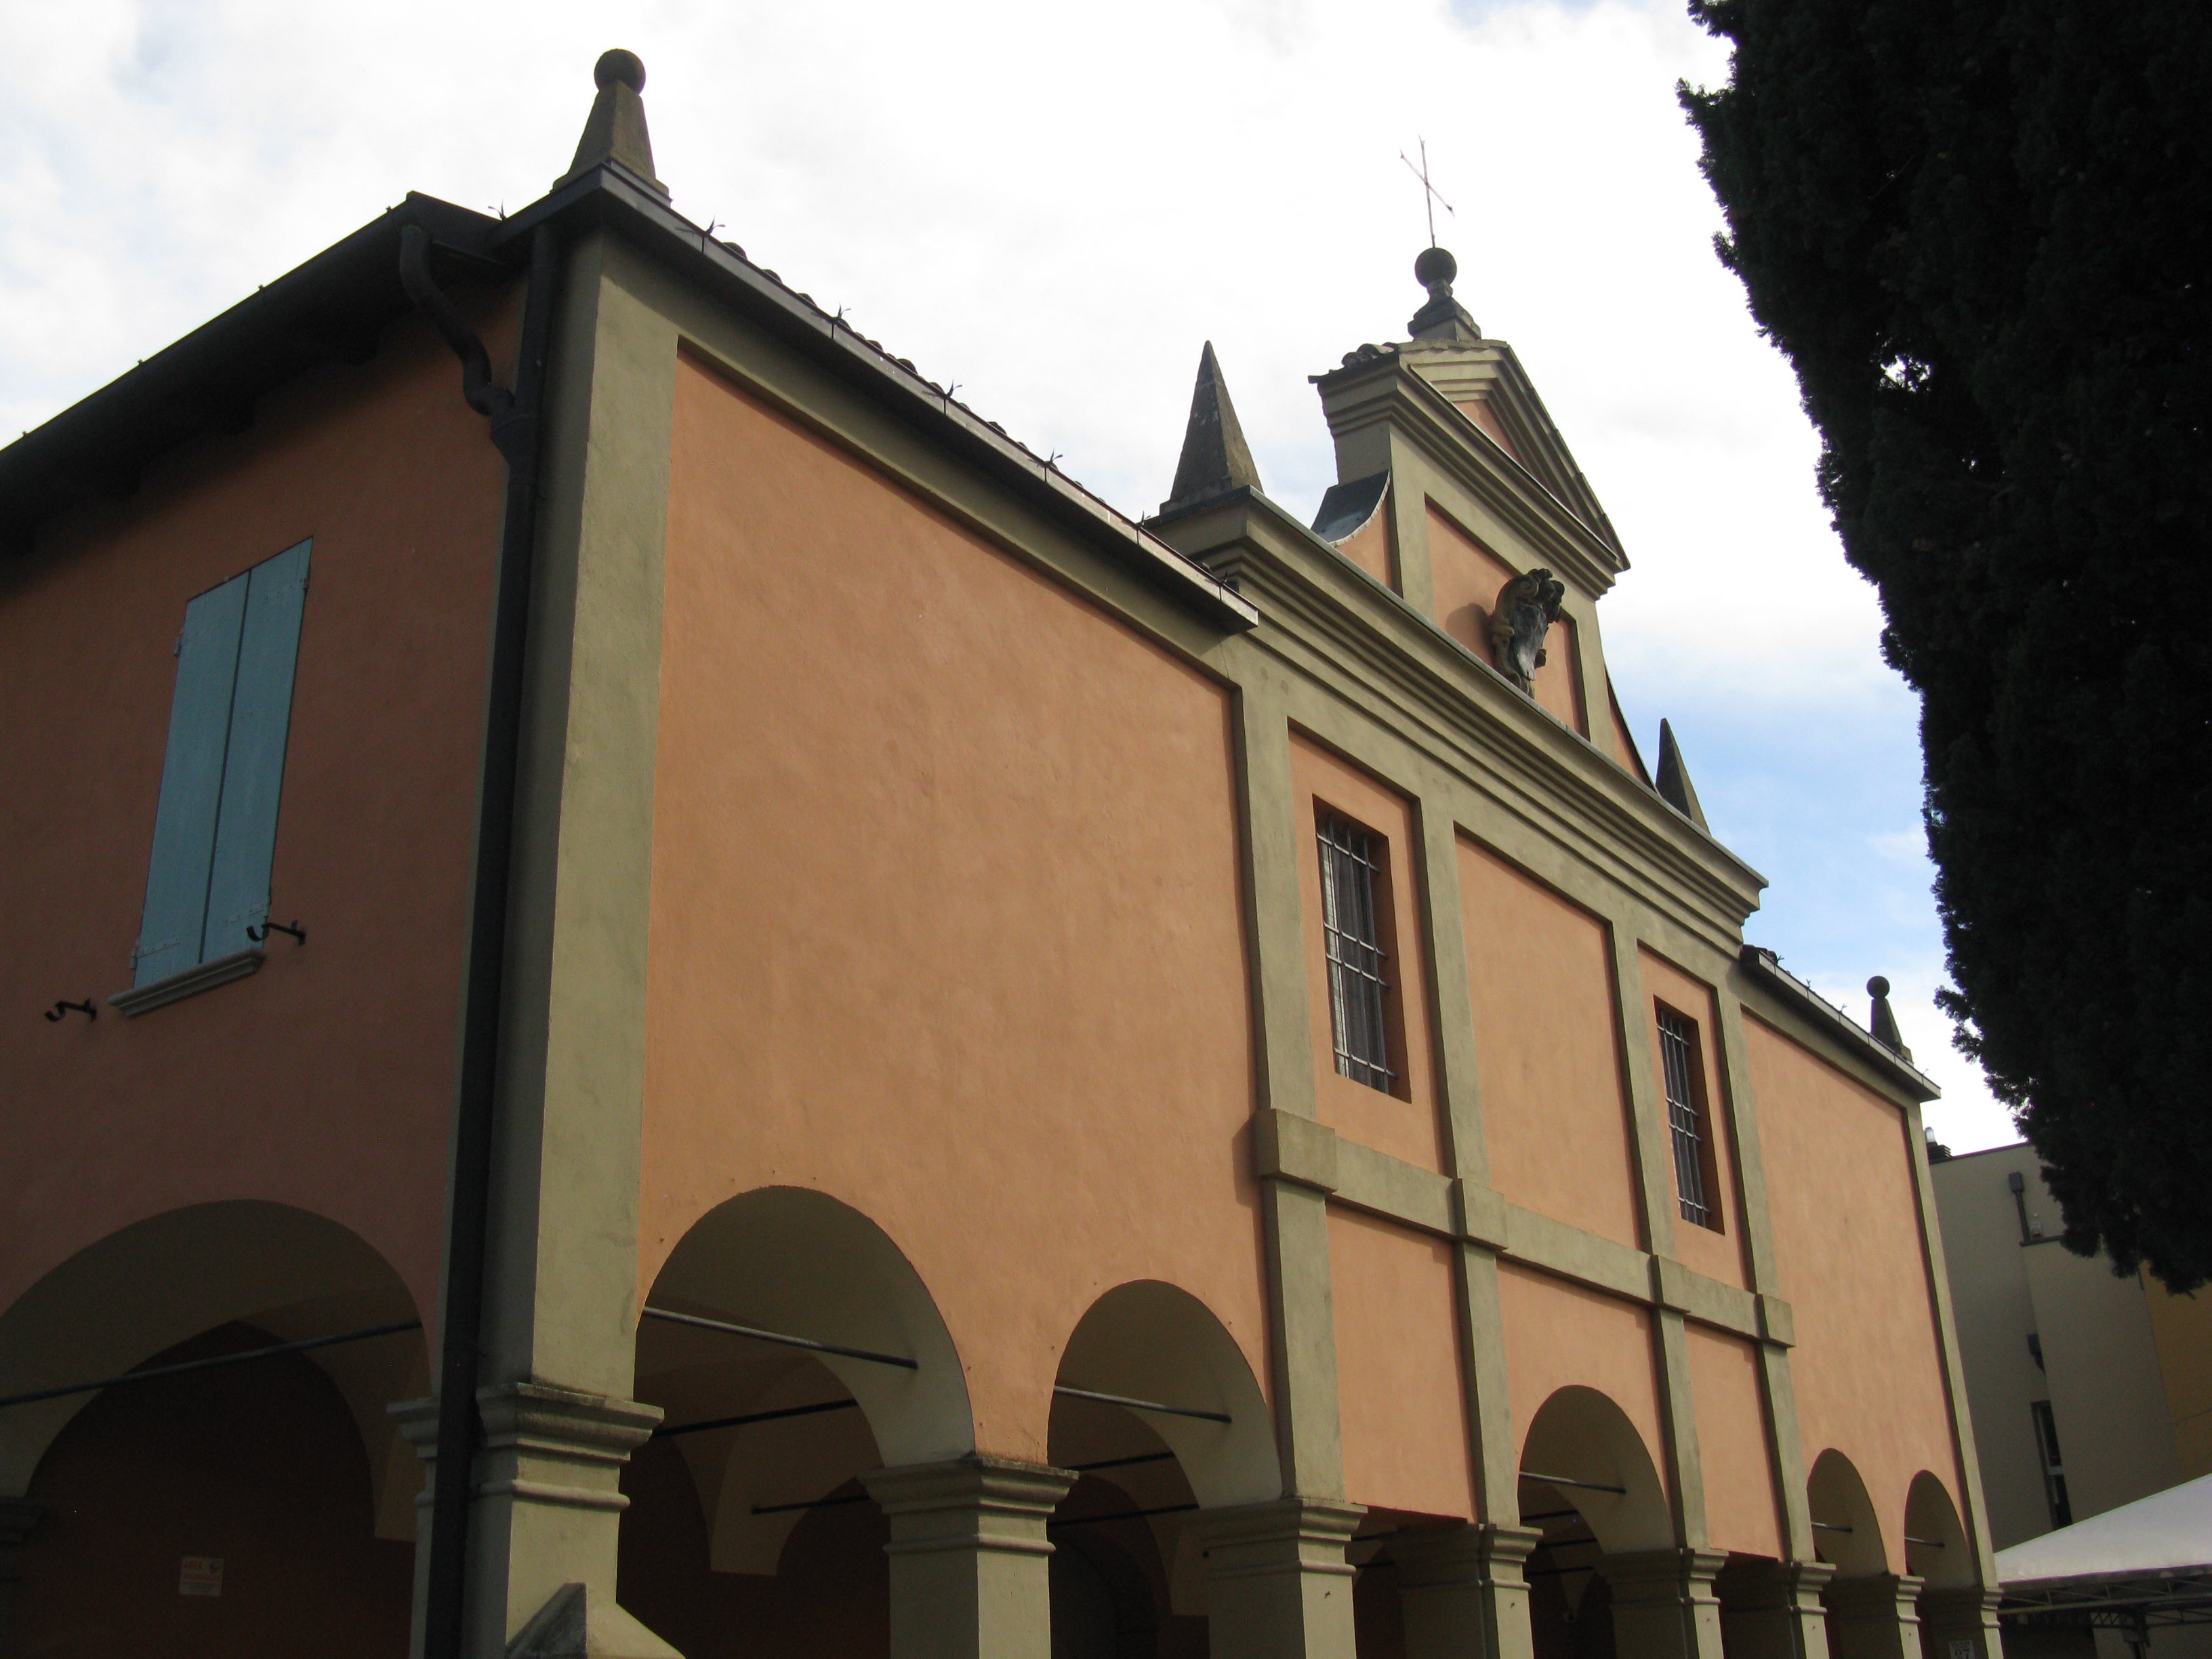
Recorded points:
1678,1044
1353,936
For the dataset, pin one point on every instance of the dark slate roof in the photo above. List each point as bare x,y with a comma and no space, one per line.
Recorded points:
335,305
1346,507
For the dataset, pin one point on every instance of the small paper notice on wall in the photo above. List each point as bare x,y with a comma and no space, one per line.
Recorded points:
200,1574
1962,1647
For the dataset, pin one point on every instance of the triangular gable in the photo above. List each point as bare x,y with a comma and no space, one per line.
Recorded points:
1488,384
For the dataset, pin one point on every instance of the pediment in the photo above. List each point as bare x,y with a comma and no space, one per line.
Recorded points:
1486,382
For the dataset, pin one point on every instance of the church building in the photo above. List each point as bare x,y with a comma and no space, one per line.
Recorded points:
670,998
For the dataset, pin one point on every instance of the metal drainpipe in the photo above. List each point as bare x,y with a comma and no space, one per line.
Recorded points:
515,430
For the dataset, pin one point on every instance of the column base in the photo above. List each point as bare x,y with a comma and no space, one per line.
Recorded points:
1664,1605
1874,1617
1277,1583
1960,1623
969,1558
1462,1593
1772,1609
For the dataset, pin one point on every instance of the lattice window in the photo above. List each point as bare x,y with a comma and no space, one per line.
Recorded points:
1350,865
1677,1045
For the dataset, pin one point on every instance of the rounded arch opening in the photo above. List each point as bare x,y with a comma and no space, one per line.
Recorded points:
806,1423
1935,1547
1846,1532
1141,1472
1587,1484
163,1281
275,1486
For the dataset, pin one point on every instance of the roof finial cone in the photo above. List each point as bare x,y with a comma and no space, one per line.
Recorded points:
614,133
1215,457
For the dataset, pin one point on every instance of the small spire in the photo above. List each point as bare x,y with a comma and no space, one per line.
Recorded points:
615,131
1882,1020
1444,317
1673,780
1215,457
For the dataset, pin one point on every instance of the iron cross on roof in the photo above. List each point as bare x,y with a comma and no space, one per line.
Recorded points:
1431,194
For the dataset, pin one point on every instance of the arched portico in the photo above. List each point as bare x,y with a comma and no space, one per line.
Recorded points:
770,1451
1608,1576
1177,1511
1955,1605
222,1453
1871,1612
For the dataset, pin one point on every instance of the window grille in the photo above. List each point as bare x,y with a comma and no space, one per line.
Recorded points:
1677,1044
1353,942
2054,1467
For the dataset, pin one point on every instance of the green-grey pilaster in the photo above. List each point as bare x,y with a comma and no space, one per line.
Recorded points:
1409,526
1654,1165
1785,1444
1468,1594
1955,1382
1302,1316
562,1289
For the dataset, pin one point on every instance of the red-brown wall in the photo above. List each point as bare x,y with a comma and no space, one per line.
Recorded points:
325,1080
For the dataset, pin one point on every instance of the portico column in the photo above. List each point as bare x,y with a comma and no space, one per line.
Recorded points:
1959,1622
969,1559
1277,1583
17,1517
1664,1606
1874,1617
547,1494
1772,1609
1461,1591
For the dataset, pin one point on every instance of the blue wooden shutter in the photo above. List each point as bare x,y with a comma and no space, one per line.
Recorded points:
253,773
173,923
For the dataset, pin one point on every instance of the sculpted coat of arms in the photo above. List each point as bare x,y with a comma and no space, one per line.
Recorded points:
1527,606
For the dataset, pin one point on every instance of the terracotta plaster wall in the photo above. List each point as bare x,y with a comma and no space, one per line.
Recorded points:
1866,1368
1732,1450
1404,1121
1400,1394
1715,1251
325,1080
1468,577
1372,546
945,917
1554,1109
1559,1334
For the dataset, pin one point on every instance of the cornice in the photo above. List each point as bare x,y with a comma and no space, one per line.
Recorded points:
1335,625
1387,391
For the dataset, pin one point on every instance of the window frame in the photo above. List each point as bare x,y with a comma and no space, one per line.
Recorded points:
1366,1023
1692,1145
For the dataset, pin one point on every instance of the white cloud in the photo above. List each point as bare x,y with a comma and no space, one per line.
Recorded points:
1054,206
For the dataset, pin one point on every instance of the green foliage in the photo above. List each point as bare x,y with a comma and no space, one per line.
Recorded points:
1979,231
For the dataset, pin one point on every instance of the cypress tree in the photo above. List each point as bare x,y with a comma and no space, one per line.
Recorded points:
1979,231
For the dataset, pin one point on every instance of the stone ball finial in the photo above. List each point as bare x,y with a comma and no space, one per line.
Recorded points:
1434,270
626,67
1877,986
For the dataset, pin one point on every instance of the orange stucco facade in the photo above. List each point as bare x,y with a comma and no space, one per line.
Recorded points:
1001,779
935,1184
1867,1364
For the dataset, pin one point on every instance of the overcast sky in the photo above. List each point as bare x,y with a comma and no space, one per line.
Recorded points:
1054,207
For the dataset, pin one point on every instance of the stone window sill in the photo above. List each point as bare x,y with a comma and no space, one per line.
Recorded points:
190,981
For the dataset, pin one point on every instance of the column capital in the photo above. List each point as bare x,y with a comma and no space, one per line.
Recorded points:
1766,1584
1663,1574
971,1503
1878,1595
1307,1534
560,1446
1475,1552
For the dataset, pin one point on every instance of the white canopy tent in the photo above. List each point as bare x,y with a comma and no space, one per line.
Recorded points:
2144,1565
